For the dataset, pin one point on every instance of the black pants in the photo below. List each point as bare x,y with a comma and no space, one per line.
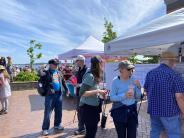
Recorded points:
79,113
91,116
128,128
79,116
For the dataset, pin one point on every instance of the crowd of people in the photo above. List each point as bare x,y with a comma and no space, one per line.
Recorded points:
163,87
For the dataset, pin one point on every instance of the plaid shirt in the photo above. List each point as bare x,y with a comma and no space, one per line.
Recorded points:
161,84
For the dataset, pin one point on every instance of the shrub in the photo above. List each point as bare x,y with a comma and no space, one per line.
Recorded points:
26,76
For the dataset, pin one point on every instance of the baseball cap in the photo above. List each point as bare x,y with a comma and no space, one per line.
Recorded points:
54,62
80,58
125,64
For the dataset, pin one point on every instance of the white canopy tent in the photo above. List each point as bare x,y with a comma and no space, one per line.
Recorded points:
91,46
166,32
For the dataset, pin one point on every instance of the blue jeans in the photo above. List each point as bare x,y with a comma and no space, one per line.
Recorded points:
52,102
172,125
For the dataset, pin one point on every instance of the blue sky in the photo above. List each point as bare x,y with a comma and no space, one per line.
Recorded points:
61,25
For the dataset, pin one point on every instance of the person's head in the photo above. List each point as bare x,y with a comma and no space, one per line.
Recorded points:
168,58
125,68
53,64
80,60
97,67
4,71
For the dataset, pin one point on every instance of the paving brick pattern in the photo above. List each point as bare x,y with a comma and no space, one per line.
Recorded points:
25,117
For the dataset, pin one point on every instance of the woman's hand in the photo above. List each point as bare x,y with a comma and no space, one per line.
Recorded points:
130,95
102,93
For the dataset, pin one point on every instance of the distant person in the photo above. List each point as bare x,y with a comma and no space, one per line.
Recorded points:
67,72
80,63
3,61
53,101
10,68
124,95
165,91
5,90
90,92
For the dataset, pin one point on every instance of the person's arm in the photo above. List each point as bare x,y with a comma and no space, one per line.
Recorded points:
179,91
64,84
138,89
180,101
2,79
114,96
86,92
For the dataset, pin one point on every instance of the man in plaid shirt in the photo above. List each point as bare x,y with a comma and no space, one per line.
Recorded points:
165,91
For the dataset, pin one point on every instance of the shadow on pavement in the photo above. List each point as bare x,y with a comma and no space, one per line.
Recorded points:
37,103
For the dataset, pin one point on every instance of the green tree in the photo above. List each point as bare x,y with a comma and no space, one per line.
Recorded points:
109,34
33,56
133,59
152,59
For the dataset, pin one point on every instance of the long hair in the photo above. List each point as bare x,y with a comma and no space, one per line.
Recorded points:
96,69
5,73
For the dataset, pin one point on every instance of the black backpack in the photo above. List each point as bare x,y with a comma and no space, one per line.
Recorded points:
43,84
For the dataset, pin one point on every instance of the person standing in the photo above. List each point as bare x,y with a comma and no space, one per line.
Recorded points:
80,61
53,99
5,90
90,92
124,95
3,61
10,68
165,91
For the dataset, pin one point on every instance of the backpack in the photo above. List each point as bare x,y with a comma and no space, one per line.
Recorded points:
43,84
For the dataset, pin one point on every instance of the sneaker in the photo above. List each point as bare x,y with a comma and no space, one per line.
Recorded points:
45,133
5,111
59,128
2,112
79,132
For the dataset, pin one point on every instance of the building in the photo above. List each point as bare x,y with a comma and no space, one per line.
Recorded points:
173,5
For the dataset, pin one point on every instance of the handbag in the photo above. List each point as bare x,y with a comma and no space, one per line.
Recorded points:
104,115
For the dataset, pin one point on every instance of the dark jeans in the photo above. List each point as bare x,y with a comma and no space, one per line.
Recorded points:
52,102
91,115
128,128
79,116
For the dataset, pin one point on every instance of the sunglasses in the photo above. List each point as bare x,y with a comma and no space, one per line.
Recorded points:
129,69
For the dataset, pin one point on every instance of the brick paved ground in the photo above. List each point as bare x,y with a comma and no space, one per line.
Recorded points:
26,113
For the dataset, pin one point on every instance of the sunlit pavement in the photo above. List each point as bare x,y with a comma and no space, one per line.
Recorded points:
25,117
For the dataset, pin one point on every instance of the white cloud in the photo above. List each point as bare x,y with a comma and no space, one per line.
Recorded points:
61,26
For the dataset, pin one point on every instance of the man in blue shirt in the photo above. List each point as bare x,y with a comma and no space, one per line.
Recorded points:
53,99
165,91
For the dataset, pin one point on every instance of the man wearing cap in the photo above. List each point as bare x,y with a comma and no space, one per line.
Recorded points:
53,100
165,89
80,62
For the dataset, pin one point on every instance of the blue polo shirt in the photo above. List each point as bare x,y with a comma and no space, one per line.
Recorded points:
161,85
